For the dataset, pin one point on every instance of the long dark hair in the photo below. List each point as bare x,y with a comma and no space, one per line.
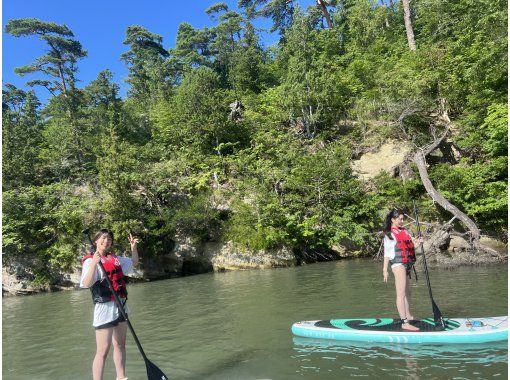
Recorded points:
394,213
100,233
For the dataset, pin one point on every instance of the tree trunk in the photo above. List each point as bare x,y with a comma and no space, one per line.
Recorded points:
409,25
325,12
419,159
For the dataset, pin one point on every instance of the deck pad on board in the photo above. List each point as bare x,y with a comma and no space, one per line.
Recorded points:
384,324
458,330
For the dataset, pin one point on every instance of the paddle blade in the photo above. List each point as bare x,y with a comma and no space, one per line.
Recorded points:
153,372
438,317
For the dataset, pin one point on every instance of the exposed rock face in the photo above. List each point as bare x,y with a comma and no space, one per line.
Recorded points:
458,251
227,257
346,248
192,257
162,266
14,286
467,257
340,250
497,245
18,279
458,244
187,257
387,158
217,256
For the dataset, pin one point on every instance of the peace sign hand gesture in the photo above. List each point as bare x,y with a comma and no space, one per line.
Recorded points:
133,241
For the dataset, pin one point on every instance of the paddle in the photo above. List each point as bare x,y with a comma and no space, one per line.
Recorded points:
438,317
153,372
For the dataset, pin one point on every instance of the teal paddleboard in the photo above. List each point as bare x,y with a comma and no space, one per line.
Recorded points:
382,330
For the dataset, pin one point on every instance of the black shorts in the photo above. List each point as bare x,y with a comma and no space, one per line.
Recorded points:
112,323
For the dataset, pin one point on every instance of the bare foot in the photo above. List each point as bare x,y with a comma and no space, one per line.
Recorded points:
409,327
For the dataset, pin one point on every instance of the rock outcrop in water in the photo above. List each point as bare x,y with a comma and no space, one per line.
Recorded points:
187,259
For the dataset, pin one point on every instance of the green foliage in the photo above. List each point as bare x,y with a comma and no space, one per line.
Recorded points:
197,218
44,222
191,47
494,131
198,116
481,187
471,52
257,228
245,68
318,91
297,196
396,192
118,175
21,139
148,73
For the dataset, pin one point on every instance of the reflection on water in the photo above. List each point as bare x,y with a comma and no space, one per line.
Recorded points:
236,325
472,353
409,361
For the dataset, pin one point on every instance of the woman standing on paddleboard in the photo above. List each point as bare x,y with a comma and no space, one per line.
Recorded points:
399,252
108,322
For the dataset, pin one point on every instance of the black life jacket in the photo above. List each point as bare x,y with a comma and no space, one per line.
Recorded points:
100,290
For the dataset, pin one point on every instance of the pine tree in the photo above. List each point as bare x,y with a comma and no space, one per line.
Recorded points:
59,64
146,59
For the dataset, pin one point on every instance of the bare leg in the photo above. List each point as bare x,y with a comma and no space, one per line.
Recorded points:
103,342
408,297
119,349
401,285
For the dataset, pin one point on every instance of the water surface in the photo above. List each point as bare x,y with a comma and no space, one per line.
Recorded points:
236,325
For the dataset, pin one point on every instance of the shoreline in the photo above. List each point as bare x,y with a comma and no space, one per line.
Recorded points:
13,286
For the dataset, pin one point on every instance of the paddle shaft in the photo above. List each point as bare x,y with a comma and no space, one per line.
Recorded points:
121,310
438,317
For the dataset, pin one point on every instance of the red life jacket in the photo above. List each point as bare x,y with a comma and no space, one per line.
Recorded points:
404,249
100,290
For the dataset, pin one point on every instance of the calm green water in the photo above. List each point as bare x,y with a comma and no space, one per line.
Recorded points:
236,325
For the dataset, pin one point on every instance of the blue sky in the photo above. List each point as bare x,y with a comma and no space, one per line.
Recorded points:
100,27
